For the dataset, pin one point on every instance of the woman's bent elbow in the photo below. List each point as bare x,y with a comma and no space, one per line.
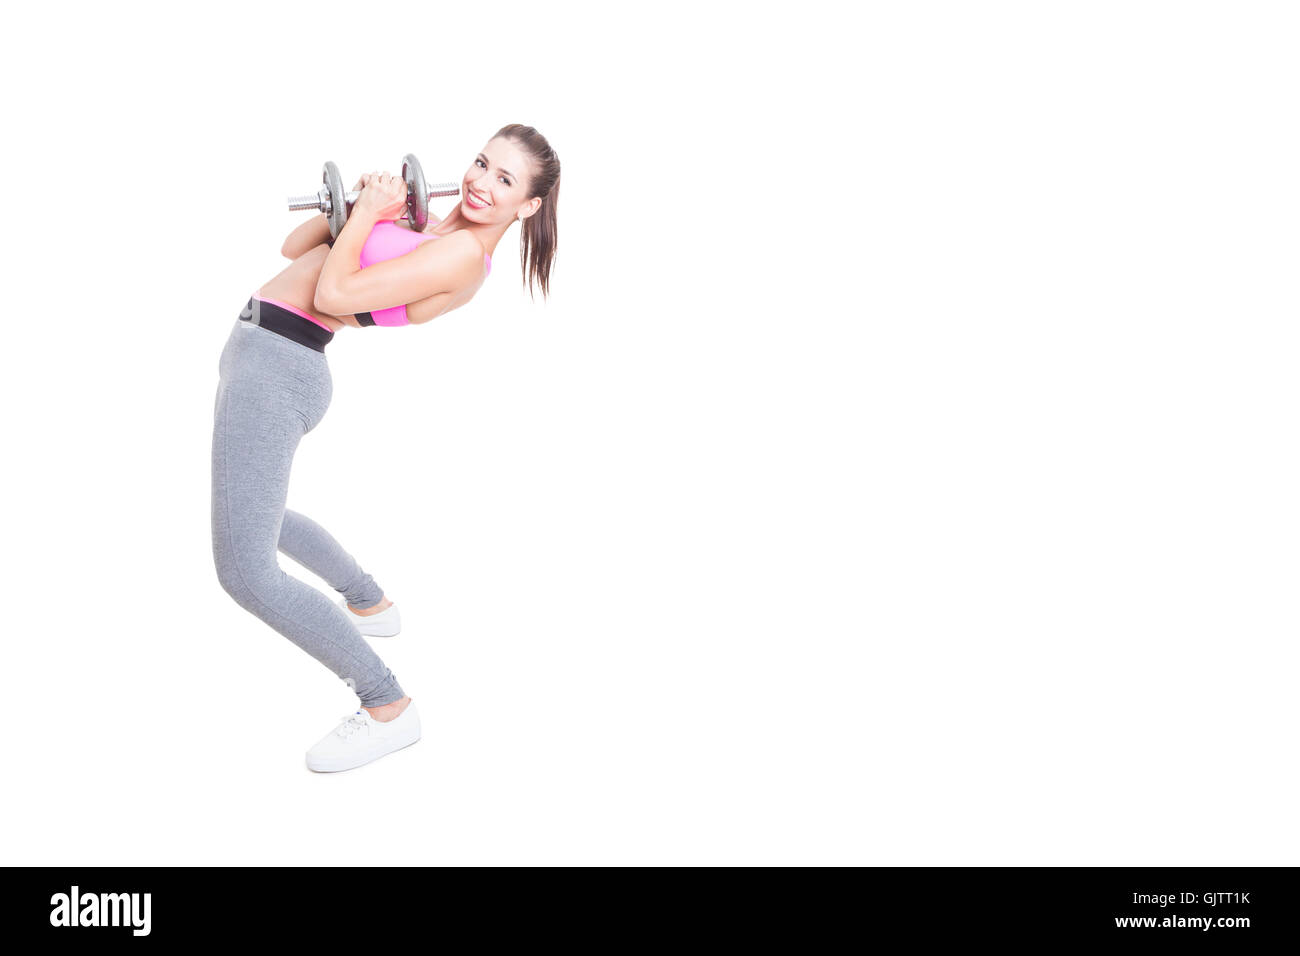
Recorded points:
323,301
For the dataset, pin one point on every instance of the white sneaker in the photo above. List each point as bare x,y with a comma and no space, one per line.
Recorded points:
360,739
387,623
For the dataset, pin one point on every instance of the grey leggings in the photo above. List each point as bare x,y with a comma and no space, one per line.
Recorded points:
272,392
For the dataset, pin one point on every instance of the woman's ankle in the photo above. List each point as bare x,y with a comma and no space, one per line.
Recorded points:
383,605
386,712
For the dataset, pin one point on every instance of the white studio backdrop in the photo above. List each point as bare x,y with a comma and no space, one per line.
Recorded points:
902,470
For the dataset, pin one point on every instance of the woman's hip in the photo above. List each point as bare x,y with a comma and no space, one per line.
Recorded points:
265,375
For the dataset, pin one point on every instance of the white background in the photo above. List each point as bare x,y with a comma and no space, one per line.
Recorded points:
903,470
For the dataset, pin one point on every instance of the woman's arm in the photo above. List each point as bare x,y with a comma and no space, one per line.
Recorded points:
345,288
307,236
432,267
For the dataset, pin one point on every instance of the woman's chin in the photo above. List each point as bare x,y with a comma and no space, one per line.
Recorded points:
479,215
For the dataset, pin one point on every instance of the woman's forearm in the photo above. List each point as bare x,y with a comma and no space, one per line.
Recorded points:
344,258
307,236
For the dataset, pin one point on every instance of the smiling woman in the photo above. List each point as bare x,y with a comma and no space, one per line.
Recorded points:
379,265
275,387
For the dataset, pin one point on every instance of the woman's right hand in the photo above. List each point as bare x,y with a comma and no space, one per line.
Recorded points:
383,196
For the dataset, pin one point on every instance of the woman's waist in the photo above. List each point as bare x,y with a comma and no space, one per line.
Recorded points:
290,304
287,321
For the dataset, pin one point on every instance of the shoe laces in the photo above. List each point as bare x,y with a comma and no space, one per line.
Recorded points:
351,724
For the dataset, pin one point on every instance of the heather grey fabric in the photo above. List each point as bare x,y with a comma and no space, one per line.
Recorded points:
271,393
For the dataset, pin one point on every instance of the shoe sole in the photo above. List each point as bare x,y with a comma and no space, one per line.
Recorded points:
319,768
372,633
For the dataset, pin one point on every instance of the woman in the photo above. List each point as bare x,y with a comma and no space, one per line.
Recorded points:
275,387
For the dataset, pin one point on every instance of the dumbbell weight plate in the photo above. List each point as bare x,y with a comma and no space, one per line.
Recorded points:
338,211
417,193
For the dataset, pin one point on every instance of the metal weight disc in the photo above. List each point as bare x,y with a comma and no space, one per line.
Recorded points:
338,211
417,193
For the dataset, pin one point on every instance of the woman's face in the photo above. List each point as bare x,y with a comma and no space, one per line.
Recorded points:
494,189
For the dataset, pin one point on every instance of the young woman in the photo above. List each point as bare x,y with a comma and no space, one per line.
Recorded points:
275,387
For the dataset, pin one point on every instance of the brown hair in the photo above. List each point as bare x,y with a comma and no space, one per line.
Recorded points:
539,232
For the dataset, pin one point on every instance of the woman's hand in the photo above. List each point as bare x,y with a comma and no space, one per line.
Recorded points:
383,196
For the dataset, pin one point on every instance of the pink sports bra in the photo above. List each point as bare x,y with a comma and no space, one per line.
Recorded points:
388,240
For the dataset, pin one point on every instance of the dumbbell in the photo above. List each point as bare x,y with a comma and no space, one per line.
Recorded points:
336,204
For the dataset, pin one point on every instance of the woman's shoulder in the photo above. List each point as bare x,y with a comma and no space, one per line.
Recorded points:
474,243
459,242
460,251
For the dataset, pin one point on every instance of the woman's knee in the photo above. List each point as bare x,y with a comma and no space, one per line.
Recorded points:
249,583
233,584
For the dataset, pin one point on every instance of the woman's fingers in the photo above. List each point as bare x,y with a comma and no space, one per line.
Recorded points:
391,184
384,193
384,178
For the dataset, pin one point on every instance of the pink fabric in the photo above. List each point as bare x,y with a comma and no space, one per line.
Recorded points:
388,240
289,308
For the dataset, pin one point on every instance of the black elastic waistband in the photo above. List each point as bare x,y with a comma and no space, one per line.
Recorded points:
289,324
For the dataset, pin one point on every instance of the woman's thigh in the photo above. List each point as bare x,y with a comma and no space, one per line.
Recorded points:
268,398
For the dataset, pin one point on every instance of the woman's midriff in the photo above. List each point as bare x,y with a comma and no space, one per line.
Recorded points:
296,286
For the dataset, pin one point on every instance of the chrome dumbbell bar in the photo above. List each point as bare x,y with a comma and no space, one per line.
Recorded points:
336,204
